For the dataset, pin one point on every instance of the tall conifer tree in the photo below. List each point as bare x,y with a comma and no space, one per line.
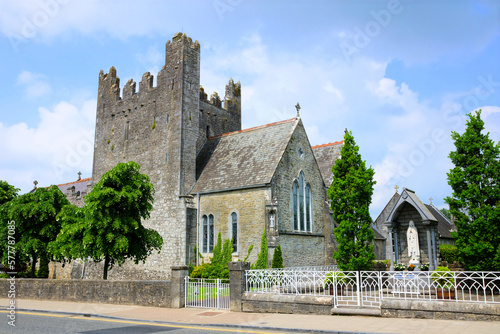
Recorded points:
351,194
474,203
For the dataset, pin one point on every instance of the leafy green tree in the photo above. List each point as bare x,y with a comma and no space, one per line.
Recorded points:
446,213
262,258
36,224
109,226
351,194
475,181
277,258
7,192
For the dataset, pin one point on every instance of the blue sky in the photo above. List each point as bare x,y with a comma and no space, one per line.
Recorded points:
401,75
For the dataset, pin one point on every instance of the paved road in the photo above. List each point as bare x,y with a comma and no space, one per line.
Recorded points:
48,323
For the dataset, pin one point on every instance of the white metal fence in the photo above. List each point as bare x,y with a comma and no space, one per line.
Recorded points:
369,288
207,293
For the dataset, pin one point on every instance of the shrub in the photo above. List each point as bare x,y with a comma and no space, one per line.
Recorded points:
337,277
199,270
443,278
449,253
277,258
262,258
43,270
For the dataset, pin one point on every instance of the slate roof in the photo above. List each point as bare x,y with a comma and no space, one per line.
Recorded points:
326,155
80,185
444,225
242,158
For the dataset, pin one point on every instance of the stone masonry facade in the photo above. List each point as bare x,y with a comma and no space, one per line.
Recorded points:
174,130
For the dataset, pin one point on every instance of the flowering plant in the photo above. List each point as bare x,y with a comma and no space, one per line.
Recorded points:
399,267
424,267
410,267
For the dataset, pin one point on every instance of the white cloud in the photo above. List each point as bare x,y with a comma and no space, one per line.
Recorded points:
53,151
35,84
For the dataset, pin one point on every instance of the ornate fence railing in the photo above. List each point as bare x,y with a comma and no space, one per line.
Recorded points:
369,288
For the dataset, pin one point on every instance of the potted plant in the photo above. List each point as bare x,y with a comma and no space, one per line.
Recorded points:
424,267
410,267
399,267
444,283
335,277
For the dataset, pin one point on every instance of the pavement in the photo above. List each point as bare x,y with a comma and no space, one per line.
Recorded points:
287,322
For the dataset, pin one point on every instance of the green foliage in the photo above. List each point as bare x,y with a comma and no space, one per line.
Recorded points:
277,258
36,225
250,248
7,192
443,278
262,258
43,270
227,252
217,252
335,277
475,181
109,225
350,193
218,266
446,213
199,270
449,253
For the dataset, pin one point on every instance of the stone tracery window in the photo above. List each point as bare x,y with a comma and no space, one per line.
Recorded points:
234,226
302,204
208,233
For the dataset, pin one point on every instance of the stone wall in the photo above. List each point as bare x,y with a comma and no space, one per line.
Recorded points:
144,293
315,247
162,128
422,309
295,304
250,207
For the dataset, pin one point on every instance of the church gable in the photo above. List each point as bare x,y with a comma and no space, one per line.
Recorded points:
241,159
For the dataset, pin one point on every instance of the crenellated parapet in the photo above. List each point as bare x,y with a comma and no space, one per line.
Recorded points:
109,85
215,100
233,97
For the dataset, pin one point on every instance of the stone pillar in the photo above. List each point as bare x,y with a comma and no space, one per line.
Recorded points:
391,255
429,249
178,286
237,284
434,248
396,245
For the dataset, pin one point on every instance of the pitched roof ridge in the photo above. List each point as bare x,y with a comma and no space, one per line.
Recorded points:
439,212
254,128
82,180
329,144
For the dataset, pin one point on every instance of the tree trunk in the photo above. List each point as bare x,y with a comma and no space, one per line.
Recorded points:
106,265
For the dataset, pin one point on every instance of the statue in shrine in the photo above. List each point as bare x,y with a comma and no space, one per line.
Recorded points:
413,245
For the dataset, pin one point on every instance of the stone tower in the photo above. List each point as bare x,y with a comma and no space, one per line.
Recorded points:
163,128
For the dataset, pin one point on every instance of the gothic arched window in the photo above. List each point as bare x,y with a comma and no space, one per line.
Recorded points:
302,204
234,226
208,234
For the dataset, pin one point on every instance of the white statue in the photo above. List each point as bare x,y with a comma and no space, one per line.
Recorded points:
413,246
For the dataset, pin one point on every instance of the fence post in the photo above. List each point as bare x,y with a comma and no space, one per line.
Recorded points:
358,274
237,284
178,286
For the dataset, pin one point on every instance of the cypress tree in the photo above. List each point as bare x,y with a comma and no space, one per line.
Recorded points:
475,181
351,194
262,258
277,258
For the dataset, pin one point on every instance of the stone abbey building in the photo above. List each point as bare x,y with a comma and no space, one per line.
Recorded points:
210,176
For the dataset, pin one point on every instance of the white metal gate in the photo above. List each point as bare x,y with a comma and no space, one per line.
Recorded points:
207,293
